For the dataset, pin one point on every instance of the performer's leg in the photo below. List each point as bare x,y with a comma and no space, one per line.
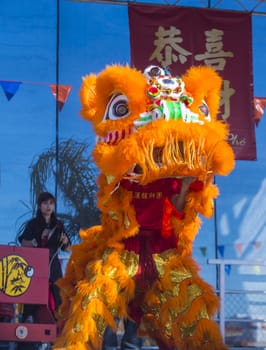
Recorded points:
130,340
109,339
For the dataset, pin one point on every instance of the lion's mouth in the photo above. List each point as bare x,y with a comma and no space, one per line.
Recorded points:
173,159
162,150
157,159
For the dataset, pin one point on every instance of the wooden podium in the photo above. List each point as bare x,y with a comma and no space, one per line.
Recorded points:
24,279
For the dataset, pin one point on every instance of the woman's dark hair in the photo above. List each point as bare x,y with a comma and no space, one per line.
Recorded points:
45,196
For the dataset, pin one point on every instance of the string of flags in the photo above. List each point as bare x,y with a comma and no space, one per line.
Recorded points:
256,269
59,91
239,248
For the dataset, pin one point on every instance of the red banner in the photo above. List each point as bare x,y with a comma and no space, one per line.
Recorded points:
179,37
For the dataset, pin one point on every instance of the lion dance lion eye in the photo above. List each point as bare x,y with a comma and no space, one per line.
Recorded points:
117,108
120,109
204,109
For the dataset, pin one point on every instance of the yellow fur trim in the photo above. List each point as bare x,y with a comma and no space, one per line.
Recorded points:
182,304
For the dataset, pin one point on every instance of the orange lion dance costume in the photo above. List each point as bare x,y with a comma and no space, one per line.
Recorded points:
153,131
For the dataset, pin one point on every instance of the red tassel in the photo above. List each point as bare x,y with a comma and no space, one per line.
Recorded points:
169,211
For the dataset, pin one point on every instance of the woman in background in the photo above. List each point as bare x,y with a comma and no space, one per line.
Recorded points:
46,231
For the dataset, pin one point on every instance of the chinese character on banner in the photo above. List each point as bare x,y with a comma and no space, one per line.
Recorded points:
169,39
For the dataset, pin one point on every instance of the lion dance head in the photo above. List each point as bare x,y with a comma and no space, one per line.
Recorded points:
158,124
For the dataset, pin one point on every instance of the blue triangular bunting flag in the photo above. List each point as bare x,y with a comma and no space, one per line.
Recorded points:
227,269
221,250
10,88
203,250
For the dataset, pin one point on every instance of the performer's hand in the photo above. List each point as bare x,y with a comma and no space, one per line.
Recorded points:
65,242
64,239
179,200
186,182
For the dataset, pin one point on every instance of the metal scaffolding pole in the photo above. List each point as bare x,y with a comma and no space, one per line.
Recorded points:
255,7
